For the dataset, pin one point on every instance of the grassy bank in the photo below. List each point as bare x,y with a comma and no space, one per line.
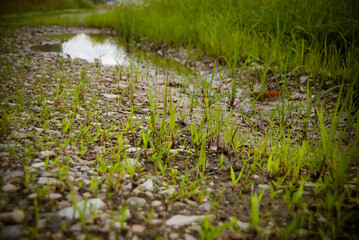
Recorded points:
317,37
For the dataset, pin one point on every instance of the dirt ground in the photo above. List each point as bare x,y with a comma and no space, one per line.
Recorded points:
37,197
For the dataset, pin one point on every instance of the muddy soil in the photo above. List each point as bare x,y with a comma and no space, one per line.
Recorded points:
37,198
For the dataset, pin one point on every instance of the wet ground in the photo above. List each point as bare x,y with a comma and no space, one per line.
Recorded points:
37,199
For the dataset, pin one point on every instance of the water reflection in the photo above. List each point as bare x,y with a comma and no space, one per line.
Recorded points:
90,48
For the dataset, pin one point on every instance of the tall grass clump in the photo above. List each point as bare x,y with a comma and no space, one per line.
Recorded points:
319,36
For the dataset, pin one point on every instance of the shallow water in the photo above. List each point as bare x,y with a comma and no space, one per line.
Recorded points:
87,47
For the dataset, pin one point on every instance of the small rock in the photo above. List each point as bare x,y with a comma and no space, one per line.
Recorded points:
131,162
81,236
10,176
10,188
111,96
169,191
86,207
41,223
53,196
7,147
205,207
136,201
11,232
155,221
127,186
263,186
322,219
46,180
32,196
46,153
174,236
189,237
136,191
137,228
156,203
242,225
76,228
134,149
147,186
16,216
182,220
38,165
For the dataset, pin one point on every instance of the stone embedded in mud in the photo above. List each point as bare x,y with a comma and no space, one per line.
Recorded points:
147,186
134,149
154,221
156,203
7,147
182,220
242,225
189,237
13,175
131,162
38,165
46,153
47,180
53,196
263,186
111,96
137,228
16,216
136,201
10,188
205,206
11,232
85,207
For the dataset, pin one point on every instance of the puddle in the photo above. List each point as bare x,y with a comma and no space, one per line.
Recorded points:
107,48
91,48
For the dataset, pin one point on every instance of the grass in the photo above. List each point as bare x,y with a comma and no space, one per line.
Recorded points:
304,151
312,37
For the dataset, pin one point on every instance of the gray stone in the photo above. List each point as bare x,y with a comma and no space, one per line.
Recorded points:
242,225
53,196
189,237
136,201
11,232
156,203
174,235
263,186
75,228
41,223
10,176
154,221
136,228
147,186
10,188
131,162
205,206
85,207
46,180
182,220
111,96
46,153
16,216
38,165
7,147
134,149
